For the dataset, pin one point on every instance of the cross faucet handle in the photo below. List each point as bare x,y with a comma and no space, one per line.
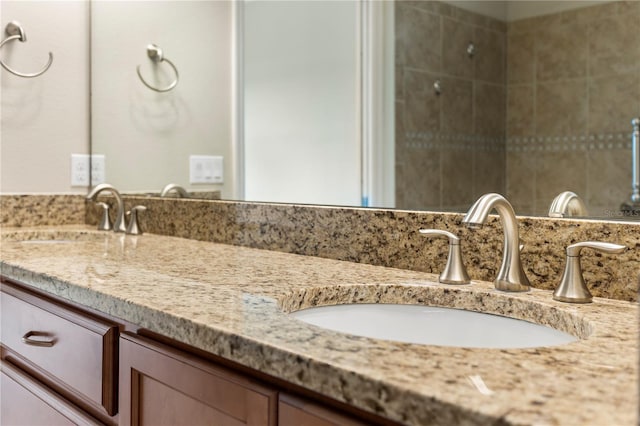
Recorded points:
454,272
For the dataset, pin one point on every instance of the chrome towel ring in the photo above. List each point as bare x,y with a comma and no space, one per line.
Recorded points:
15,32
157,56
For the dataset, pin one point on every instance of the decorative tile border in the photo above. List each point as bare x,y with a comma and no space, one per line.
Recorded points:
462,142
595,142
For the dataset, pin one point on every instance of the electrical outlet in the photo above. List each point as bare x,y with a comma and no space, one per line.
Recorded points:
80,170
205,169
97,169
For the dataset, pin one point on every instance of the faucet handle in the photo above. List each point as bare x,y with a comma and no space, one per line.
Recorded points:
134,227
454,272
105,223
572,288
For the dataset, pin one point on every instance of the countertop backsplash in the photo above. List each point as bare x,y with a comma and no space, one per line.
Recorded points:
372,236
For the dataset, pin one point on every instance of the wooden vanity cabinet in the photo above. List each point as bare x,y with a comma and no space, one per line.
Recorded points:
160,385
295,411
92,370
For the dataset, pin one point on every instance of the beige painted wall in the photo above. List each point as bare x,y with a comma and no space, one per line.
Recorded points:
45,119
131,123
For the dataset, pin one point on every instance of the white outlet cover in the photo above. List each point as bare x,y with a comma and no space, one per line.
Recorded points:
98,169
80,169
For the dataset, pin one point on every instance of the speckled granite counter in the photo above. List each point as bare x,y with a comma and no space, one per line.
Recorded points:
230,301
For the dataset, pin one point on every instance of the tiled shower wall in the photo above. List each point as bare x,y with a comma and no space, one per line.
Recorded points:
450,148
573,84
561,89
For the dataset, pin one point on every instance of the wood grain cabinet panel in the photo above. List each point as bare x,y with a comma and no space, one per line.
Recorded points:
25,402
70,348
294,411
160,385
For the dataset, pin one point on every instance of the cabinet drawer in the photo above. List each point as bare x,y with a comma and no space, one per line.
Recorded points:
75,350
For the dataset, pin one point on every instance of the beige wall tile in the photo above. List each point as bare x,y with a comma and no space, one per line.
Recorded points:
418,41
457,182
399,83
629,7
401,33
400,131
520,111
557,172
520,179
527,25
489,172
422,105
457,106
521,57
609,178
490,59
489,109
613,102
561,52
455,38
422,180
586,14
561,108
614,45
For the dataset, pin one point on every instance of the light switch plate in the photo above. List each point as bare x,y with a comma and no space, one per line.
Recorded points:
206,169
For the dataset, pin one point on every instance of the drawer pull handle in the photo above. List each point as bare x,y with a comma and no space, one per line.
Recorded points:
27,338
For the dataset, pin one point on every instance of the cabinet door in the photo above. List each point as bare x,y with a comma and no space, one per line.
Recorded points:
160,385
26,402
294,411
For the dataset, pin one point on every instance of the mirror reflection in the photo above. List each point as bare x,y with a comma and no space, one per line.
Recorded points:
414,105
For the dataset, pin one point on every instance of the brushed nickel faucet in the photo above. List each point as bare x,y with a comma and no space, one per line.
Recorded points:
182,193
566,204
511,276
119,223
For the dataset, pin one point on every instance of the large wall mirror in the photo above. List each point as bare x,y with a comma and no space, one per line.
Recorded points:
526,98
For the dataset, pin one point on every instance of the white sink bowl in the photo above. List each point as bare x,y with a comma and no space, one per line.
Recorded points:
428,325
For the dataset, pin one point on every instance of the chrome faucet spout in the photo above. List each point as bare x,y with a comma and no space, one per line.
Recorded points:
119,224
511,276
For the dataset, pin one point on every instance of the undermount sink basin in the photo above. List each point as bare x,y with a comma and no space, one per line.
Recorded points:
429,325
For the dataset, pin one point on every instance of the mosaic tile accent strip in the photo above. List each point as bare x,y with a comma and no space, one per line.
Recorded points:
598,142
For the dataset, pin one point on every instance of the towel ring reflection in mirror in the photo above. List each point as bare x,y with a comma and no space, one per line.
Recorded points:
157,56
15,32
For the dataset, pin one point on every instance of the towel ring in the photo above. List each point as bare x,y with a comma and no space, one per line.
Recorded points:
157,56
16,32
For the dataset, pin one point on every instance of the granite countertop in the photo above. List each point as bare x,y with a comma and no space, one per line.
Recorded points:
232,301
